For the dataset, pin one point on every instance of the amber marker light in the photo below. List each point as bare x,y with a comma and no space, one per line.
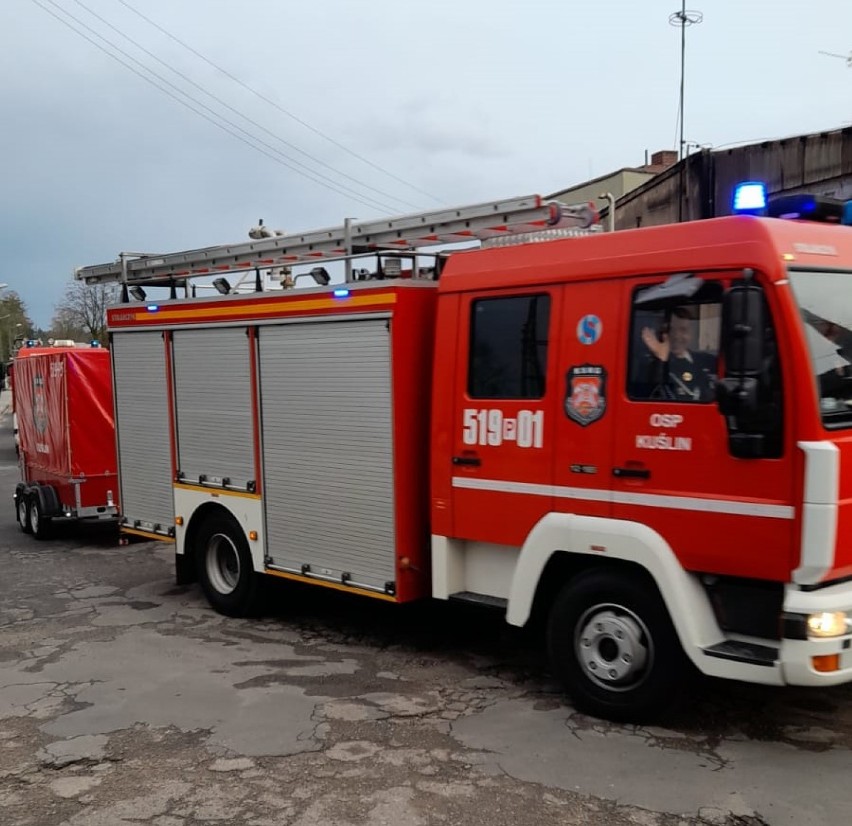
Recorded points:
253,535
178,520
826,663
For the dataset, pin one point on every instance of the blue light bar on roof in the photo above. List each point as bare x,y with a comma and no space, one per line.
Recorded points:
806,206
750,197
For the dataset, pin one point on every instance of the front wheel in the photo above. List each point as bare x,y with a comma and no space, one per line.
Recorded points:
225,567
612,643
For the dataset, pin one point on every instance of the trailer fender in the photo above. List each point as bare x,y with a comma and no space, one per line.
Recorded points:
600,540
48,500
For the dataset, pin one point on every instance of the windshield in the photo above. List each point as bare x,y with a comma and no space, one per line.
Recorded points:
825,302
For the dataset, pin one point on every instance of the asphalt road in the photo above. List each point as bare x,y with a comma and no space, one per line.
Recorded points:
126,700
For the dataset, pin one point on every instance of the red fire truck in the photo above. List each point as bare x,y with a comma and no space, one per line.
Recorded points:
642,437
62,398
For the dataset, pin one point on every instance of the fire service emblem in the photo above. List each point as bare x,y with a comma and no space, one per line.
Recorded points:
585,393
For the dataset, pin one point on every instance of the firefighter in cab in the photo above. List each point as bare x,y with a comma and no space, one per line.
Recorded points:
687,375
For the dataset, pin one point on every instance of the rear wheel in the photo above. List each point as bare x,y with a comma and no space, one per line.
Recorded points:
39,523
225,567
23,512
612,643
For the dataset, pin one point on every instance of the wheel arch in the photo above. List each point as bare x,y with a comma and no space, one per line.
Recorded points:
563,566
186,553
561,546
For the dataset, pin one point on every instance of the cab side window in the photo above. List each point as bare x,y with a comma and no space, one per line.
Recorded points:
508,347
674,350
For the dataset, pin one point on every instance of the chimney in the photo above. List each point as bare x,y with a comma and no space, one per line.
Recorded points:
660,161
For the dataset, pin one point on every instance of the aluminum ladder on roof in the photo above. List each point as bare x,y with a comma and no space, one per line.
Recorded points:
483,221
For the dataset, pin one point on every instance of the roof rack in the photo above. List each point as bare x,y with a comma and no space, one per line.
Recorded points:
406,233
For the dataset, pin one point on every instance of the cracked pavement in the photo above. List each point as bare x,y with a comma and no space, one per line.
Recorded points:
126,700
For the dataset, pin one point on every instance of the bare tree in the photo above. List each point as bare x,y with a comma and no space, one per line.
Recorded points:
82,312
66,325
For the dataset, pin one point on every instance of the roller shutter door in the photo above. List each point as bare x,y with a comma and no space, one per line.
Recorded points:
141,399
213,405
327,448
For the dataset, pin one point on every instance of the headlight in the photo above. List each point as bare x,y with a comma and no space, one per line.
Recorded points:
827,624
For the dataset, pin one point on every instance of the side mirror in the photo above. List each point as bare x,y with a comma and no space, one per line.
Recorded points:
737,396
744,345
743,325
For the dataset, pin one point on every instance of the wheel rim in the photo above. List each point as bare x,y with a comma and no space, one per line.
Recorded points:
22,511
34,518
222,563
613,647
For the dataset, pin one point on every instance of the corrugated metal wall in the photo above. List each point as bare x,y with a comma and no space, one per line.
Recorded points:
703,185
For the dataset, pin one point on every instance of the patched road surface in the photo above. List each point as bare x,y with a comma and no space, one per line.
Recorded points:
126,700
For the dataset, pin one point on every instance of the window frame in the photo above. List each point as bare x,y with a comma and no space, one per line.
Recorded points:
712,282
475,391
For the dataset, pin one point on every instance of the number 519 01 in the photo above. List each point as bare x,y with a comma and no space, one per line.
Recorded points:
491,427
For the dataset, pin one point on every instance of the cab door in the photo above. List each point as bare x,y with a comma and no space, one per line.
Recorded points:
590,390
673,468
505,402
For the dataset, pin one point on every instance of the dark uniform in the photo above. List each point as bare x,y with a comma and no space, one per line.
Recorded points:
691,379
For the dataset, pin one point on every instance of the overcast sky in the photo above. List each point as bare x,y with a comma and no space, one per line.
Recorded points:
450,102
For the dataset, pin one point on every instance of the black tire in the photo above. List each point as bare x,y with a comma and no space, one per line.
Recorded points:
40,524
224,566
612,644
22,509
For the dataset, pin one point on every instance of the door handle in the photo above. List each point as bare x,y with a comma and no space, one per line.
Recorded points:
470,461
631,473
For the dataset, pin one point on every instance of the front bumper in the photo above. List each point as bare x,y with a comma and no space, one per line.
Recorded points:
797,655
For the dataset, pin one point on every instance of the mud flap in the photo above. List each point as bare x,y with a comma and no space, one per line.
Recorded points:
184,569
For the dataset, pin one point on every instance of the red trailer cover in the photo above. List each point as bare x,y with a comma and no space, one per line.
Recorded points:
63,401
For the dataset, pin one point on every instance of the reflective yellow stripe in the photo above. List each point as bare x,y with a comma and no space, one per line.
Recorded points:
333,585
216,491
158,536
248,312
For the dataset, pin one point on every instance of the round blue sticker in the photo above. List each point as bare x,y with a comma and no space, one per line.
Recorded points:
589,329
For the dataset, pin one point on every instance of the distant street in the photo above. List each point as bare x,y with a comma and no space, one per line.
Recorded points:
126,700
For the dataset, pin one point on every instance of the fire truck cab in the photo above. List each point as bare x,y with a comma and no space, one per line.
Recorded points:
642,434
642,437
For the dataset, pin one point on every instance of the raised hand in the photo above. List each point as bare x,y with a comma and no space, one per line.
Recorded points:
660,349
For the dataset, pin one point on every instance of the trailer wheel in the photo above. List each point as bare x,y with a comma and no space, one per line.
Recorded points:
23,511
39,523
612,644
225,567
